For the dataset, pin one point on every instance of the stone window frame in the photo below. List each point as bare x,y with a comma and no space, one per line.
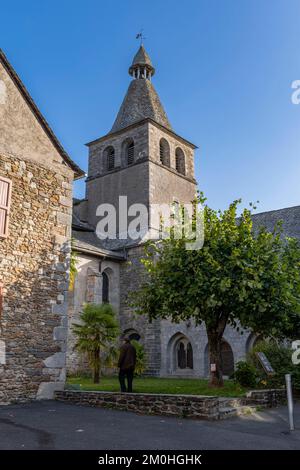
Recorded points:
180,161
164,152
186,343
6,207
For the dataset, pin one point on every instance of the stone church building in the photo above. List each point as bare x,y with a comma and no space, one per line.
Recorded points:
36,178
143,158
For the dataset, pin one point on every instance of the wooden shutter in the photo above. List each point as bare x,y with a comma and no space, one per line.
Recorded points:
5,192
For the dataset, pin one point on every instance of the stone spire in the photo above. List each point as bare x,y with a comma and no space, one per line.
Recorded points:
141,100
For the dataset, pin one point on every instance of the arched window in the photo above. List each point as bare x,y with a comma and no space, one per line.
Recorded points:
164,152
181,356
109,155
180,161
105,288
189,356
130,153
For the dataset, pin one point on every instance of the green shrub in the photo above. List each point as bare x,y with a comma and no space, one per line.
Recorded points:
280,358
140,366
245,374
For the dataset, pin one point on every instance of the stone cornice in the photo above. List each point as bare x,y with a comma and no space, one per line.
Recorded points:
138,124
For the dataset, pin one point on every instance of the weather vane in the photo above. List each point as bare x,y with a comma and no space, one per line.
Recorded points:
140,36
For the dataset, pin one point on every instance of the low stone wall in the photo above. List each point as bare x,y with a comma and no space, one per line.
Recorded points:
185,406
270,398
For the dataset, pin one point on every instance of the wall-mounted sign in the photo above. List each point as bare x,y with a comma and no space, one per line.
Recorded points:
264,361
213,367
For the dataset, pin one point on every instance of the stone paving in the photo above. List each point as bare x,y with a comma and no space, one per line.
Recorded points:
54,425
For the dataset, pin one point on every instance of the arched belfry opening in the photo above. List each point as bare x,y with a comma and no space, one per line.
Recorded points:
128,152
109,157
164,152
180,161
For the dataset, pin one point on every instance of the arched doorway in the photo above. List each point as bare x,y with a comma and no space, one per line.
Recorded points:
132,334
227,360
252,341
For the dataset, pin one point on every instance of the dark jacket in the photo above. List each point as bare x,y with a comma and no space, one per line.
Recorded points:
127,358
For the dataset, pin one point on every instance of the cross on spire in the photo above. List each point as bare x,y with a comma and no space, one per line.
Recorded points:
140,36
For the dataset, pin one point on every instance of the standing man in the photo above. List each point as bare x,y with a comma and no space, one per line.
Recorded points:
126,363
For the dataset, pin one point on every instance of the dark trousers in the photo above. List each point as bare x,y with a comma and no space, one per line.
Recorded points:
126,374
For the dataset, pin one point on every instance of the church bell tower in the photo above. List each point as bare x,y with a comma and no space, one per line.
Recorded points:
141,157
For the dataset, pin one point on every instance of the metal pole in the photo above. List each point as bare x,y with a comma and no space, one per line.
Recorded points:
290,400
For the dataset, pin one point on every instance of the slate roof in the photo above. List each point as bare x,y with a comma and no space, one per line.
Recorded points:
80,225
290,217
40,118
141,102
87,242
142,58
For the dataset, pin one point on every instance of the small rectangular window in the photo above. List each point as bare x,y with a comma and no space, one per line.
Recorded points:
5,193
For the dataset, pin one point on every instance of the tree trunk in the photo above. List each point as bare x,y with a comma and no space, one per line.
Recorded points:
97,367
214,348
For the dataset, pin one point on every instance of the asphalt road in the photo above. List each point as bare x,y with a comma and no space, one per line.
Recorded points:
54,425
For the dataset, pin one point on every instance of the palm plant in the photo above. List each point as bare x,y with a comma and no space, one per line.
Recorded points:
140,366
95,334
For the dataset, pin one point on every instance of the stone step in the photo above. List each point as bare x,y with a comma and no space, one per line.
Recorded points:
231,407
246,410
227,412
231,402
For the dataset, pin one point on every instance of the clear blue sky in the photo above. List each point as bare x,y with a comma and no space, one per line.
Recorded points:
224,74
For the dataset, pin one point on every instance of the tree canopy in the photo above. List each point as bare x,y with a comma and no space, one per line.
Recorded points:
240,277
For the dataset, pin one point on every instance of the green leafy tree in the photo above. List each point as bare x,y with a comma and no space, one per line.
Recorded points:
239,278
96,333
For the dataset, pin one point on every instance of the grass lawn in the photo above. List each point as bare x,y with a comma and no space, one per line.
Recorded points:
161,385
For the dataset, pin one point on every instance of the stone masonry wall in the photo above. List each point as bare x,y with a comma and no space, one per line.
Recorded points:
271,397
185,406
34,261
88,288
132,273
